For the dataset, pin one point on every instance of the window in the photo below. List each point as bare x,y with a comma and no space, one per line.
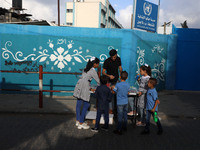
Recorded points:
69,23
69,10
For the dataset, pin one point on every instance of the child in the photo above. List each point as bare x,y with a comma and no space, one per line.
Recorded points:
122,88
82,91
151,106
103,95
145,71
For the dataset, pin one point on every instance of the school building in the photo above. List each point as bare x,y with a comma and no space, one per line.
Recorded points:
91,13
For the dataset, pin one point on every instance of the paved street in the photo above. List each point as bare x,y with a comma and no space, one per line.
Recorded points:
56,131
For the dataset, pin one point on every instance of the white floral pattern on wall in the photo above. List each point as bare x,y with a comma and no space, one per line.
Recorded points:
60,53
158,67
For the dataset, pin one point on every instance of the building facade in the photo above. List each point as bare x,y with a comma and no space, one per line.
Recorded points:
91,13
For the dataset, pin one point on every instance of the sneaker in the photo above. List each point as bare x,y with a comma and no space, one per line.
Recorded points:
104,128
83,126
94,130
140,124
132,113
77,123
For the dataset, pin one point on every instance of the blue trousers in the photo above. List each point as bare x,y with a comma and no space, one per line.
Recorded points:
80,115
148,116
106,117
122,111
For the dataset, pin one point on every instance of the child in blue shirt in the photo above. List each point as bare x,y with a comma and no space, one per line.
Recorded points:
122,89
151,106
104,96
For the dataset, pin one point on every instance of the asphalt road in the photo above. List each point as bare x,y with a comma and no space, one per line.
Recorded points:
21,131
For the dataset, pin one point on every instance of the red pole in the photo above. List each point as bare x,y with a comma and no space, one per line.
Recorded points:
40,86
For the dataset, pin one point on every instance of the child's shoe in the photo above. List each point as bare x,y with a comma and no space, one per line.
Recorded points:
77,123
94,130
132,113
140,124
83,126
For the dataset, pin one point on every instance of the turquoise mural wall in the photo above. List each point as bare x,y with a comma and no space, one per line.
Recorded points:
155,55
64,49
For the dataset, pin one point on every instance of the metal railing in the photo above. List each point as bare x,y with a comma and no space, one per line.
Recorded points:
41,82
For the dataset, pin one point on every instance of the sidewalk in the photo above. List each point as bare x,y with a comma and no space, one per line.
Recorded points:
173,104
20,103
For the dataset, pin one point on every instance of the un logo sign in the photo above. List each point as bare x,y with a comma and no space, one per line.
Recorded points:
147,9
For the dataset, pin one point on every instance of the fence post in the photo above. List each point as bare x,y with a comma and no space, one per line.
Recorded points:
40,86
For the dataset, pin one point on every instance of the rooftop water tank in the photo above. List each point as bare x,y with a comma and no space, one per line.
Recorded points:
17,4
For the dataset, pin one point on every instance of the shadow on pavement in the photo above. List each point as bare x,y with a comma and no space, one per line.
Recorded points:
46,131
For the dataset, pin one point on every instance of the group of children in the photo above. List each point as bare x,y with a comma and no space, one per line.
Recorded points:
147,99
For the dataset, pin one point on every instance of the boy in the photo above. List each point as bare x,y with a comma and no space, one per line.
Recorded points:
122,88
151,106
103,95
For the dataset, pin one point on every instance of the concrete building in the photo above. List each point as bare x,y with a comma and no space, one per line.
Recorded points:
91,13
167,30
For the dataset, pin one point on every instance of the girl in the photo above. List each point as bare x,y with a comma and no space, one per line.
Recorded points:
82,91
145,71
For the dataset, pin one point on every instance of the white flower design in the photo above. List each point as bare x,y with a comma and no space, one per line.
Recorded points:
60,58
51,45
69,46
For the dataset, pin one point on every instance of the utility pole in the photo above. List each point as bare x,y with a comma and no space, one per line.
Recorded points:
165,27
58,12
131,21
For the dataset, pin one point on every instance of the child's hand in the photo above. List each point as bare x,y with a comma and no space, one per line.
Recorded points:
158,101
138,77
139,93
153,110
112,87
111,77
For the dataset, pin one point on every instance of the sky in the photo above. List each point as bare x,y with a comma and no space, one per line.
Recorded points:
176,11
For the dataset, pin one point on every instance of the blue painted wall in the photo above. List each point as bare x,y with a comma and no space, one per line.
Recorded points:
188,54
67,49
